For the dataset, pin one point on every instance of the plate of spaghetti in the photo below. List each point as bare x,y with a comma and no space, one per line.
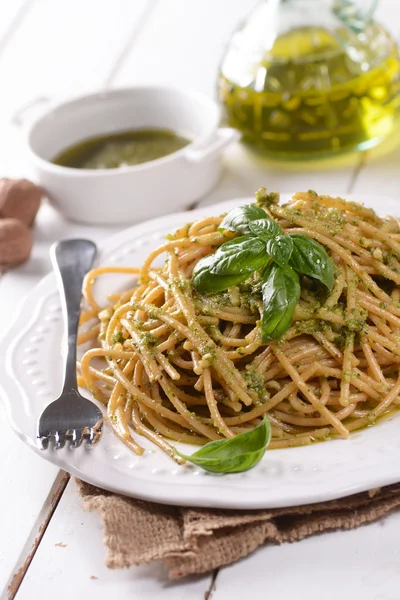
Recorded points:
247,359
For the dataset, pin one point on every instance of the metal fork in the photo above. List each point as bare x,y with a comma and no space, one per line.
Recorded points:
71,417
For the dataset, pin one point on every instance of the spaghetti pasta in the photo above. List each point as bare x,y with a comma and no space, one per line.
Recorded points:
175,364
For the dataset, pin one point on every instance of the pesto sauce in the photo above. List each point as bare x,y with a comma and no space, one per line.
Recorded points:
125,148
255,383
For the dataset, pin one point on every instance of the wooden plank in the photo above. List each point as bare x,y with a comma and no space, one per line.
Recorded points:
35,536
379,172
11,16
183,42
65,48
25,482
363,563
244,173
72,554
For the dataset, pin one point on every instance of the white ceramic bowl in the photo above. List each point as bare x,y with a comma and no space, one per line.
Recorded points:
129,194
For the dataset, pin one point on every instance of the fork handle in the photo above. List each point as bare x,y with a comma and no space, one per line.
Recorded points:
71,260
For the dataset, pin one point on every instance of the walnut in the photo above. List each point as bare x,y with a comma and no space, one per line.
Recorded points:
15,243
19,199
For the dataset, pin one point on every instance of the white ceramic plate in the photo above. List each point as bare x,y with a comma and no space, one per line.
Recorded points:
30,378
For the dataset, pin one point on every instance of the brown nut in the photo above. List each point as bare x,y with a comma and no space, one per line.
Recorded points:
15,243
19,199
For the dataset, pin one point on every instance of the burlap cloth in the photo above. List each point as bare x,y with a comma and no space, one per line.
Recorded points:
196,540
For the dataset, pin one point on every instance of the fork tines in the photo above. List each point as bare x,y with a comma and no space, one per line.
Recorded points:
74,436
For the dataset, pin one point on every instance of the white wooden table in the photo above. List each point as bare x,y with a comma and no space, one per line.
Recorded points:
49,547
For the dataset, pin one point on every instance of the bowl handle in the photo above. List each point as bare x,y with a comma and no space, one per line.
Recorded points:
224,137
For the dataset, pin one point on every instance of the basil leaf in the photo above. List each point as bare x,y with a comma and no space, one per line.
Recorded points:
236,454
207,282
281,292
310,258
242,253
232,263
265,228
239,218
280,249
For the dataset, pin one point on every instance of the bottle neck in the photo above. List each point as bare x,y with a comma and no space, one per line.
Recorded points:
355,13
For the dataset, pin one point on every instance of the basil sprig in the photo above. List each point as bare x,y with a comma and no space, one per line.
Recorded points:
262,246
236,454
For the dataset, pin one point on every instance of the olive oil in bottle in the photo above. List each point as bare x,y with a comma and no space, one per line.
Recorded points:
310,90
